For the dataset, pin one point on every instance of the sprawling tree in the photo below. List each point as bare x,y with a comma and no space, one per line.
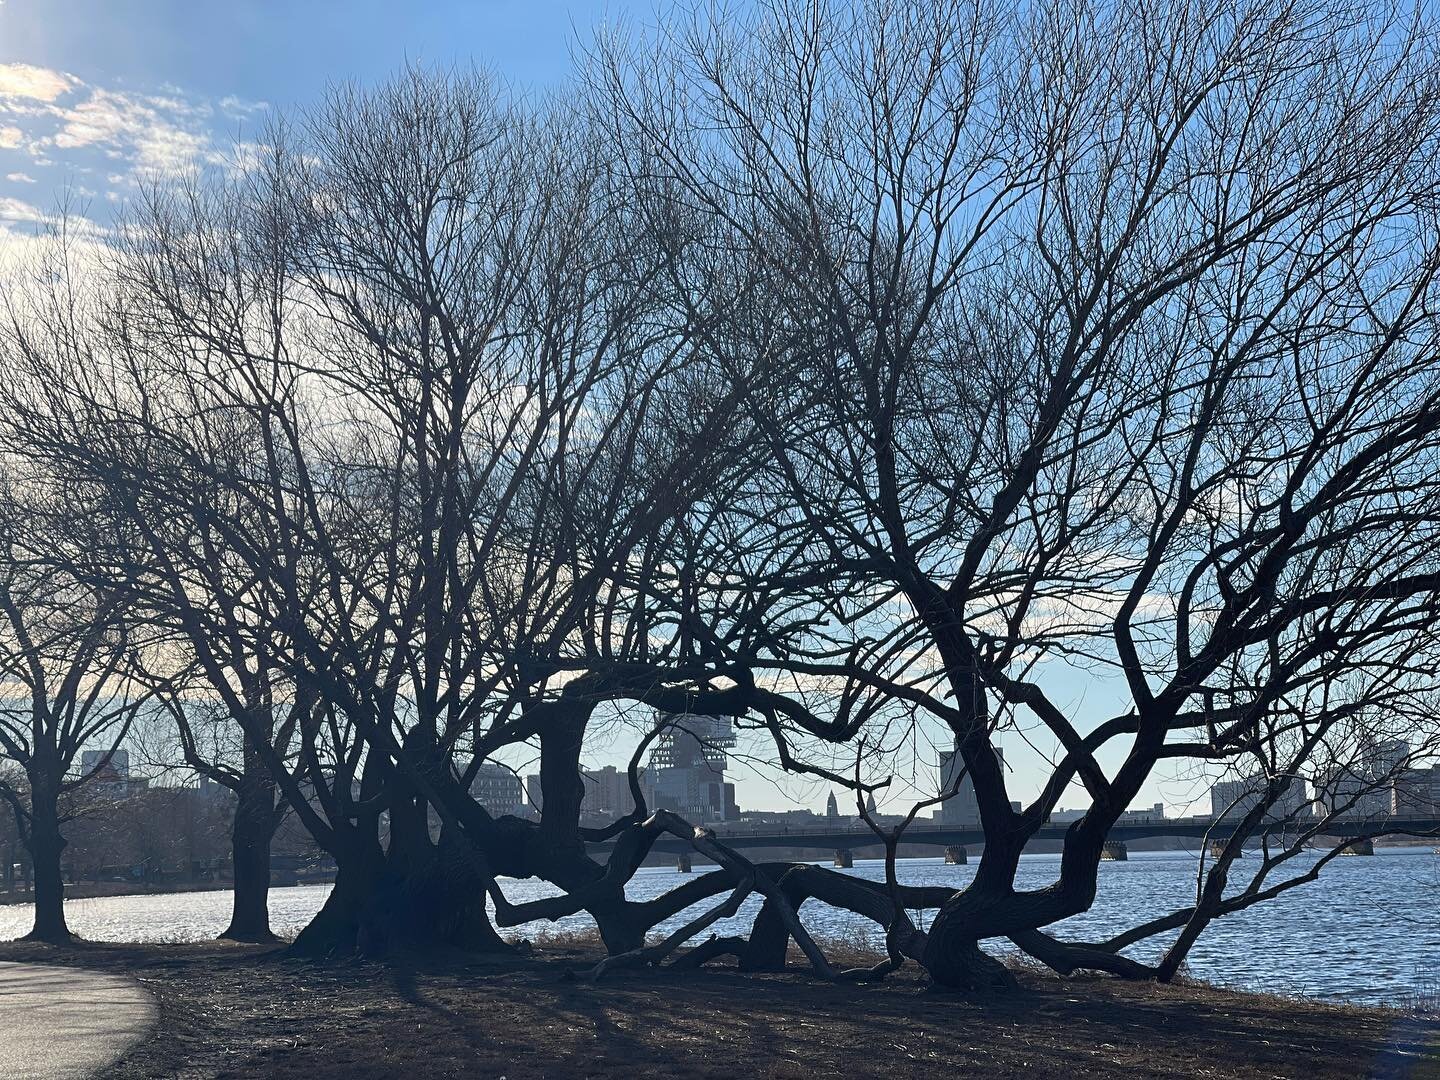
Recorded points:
392,418
851,371
1106,337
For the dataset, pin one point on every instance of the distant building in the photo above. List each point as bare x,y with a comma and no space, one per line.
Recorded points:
1155,812
961,810
498,789
1416,793
1368,786
832,810
607,792
760,820
211,792
1233,799
534,793
117,768
1385,759
1351,793
110,778
686,771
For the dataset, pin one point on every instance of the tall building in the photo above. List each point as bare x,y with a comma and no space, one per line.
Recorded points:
1233,799
961,810
111,778
1386,758
1417,793
1366,786
686,771
498,789
832,810
607,792
116,769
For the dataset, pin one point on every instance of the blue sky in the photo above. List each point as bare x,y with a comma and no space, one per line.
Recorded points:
95,94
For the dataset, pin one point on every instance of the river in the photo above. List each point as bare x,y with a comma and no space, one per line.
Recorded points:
1365,931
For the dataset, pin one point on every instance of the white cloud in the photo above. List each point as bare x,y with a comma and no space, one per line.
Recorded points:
37,83
238,108
157,134
19,211
124,135
103,117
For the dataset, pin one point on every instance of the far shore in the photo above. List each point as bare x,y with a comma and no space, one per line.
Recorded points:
91,890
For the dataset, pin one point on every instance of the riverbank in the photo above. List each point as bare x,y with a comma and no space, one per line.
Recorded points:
230,1011
95,890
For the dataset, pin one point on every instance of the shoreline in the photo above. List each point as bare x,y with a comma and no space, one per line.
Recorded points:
236,1010
106,889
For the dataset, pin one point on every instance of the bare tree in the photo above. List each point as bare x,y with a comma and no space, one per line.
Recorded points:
843,370
1106,337
207,741
67,660
375,414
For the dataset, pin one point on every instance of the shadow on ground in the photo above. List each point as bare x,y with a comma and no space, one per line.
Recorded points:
230,1010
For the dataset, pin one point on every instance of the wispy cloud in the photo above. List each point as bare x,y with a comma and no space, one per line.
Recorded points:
52,115
36,83
20,178
157,134
19,212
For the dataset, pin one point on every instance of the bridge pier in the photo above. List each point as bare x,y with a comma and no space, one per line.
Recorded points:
1114,851
844,859
955,855
1359,847
1217,848
683,863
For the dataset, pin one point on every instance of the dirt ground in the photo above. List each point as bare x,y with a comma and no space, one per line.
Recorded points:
230,1011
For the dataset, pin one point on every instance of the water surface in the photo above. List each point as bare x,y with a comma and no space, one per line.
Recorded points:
1365,931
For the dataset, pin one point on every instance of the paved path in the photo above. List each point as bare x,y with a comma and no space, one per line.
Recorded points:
66,1022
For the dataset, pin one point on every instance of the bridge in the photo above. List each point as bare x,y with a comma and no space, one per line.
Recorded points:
298,869
859,836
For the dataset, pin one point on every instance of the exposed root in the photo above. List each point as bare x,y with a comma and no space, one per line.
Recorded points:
710,949
1066,958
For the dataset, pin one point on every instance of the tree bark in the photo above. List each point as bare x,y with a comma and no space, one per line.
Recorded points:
46,844
770,937
335,929
952,954
251,833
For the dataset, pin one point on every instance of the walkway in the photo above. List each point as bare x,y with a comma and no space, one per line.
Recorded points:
65,1022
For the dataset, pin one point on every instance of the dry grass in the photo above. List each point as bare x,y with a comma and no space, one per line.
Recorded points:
231,1010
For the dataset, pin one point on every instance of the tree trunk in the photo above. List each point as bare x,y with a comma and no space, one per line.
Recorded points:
436,904
953,957
46,845
335,929
251,833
